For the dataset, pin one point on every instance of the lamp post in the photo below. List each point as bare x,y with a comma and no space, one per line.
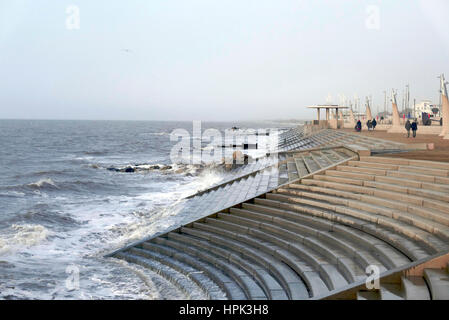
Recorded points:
414,108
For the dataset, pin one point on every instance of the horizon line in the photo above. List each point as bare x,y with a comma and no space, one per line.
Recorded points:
154,120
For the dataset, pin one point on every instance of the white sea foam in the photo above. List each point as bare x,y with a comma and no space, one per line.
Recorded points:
28,234
151,291
20,236
166,205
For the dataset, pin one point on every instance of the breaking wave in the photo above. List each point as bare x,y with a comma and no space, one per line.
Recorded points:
43,184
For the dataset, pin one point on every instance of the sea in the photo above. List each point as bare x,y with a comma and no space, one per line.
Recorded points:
66,200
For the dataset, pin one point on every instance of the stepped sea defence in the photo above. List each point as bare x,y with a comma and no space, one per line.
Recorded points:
316,221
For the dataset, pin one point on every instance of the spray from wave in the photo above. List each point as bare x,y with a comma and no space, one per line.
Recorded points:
164,216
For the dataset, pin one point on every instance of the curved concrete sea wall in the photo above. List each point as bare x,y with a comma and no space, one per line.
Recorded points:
308,225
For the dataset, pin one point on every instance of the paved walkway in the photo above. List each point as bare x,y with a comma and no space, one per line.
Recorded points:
441,152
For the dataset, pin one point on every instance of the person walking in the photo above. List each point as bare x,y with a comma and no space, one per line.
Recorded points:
358,126
408,126
414,128
374,123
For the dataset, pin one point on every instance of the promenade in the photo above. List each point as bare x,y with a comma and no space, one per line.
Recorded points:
440,152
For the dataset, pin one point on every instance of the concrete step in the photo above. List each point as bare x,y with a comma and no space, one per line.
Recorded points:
428,186
400,167
368,295
429,190
295,244
353,175
302,214
252,290
373,165
429,164
210,288
398,181
419,177
332,156
337,252
427,219
399,161
310,164
250,247
370,171
182,283
347,241
271,287
353,208
365,207
420,193
324,177
337,155
301,167
415,288
318,160
359,143
231,288
265,220
426,170
290,253
159,245
390,291
352,228
271,208
389,196
438,282
350,240
292,176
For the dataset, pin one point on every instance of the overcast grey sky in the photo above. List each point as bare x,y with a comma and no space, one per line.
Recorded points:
214,60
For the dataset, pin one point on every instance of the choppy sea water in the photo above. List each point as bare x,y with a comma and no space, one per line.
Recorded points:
61,209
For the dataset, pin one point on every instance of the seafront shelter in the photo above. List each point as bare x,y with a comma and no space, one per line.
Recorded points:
334,122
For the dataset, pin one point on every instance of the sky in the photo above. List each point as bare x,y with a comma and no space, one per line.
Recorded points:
214,60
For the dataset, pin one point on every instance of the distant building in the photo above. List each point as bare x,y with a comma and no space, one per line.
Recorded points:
424,106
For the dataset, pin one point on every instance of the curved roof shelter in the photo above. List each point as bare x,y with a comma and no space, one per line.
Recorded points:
327,107
329,123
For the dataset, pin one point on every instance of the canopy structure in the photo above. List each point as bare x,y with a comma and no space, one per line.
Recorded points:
327,107
333,123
